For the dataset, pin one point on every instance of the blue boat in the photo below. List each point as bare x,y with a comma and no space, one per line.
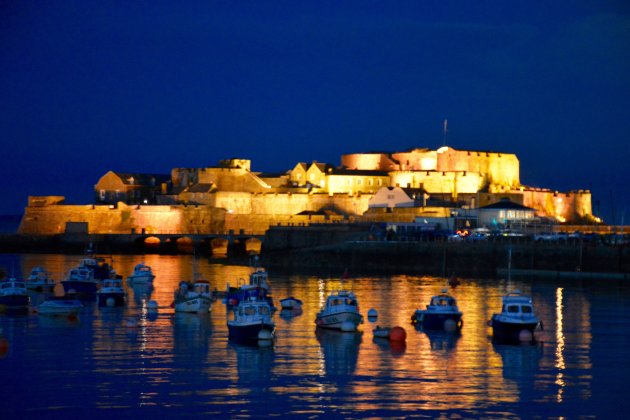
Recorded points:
80,281
252,321
516,322
13,295
441,314
111,293
257,288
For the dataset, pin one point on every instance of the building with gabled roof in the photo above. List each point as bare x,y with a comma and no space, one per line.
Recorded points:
130,188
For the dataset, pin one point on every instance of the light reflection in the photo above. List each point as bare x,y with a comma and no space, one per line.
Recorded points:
560,340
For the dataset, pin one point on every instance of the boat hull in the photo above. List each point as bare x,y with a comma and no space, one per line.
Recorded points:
60,308
435,321
336,320
83,289
15,301
200,304
509,332
248,332
41,287
290,303
117,299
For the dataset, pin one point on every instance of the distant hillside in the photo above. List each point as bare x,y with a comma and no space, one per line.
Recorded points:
10,223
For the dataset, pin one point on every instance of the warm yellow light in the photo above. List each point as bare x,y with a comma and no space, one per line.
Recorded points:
561,219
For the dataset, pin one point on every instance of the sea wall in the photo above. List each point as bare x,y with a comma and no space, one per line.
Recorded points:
315,249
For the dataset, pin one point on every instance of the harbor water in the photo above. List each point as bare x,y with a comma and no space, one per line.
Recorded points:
127,362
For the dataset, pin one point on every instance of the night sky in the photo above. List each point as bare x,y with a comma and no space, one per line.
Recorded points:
87,87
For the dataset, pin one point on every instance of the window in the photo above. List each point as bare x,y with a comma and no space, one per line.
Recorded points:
513,309
526,309
380,182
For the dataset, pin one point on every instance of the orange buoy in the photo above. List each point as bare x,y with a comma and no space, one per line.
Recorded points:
4,347
397,334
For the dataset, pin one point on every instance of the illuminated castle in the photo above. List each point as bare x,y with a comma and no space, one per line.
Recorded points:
230,196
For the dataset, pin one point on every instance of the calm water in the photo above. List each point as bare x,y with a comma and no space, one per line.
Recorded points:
181,365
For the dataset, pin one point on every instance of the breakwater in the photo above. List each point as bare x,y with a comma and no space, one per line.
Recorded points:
322,250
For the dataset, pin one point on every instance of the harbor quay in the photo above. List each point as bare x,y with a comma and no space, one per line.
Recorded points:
335,248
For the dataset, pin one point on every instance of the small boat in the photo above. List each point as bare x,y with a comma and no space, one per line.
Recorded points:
193,297
517,321
290,303
81,282
441,314
252,321
111,293
341,312
258,287
60,306
13,295
381,332
40,280
142,274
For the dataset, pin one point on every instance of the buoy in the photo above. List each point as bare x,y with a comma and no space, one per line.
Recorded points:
372,313
152,306
397,334
348,326
265,335
110,302
450,325
525,336
4,347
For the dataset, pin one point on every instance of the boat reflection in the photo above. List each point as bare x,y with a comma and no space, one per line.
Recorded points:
520,363
442,340
289,314
191,333
340,351
396,348
141,292
58,321
253,363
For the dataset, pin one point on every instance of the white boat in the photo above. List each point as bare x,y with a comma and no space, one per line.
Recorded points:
111,293
252,321
13,295
341,312
142,274
516,322
40,280
60,306
290,303
381,332
193,297
441,313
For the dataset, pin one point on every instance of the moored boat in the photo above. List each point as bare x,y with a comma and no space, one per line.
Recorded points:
194,297
111,293
252,321
40,280
340,312
142,274
516,322
80,281
290,303
13,295
60,306
258,287
441,313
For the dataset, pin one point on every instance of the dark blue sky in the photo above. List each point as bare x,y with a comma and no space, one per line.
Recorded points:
87,87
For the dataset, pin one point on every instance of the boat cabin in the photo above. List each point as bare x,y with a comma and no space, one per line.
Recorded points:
201,287
517,305
12,284
341,299
443,300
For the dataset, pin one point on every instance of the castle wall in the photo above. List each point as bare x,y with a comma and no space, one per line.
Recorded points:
453,183
369,161
122,219
497,168
564,206
418,160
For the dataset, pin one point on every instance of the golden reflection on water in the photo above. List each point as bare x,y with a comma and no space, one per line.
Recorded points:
430,371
